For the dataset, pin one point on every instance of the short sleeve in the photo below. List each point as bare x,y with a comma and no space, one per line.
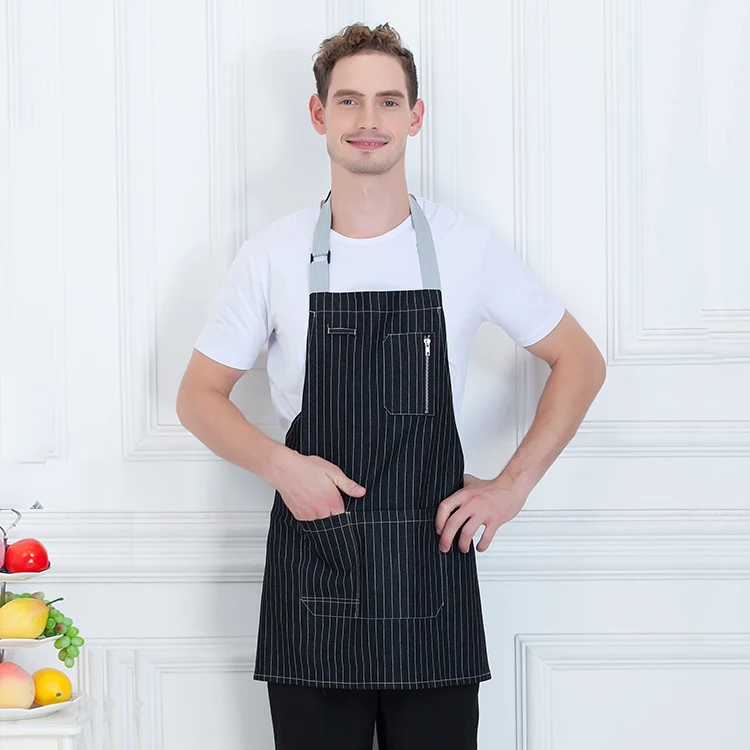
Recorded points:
514,297
238,327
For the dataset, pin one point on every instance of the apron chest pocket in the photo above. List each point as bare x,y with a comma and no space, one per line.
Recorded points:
408,375
329,568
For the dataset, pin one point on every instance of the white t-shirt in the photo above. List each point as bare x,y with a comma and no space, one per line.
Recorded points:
265,294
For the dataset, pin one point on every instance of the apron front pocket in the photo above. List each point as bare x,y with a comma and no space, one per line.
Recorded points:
408,375
329,569
402,569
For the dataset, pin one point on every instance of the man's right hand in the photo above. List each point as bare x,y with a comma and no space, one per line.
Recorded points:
310,486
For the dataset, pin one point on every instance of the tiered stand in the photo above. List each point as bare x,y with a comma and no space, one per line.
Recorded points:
17,715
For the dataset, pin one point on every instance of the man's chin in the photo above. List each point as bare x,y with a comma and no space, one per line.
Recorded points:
356,168
368,164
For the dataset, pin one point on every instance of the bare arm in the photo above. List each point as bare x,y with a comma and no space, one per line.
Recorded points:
309,485
578,373
204,408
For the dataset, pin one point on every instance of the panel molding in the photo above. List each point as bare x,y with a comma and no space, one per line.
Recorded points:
538,655
221,547
532,182
32,365
154,659
725,334
124,675
665,438
439,69
143,437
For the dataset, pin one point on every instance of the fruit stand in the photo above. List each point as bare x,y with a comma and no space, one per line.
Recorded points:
39,711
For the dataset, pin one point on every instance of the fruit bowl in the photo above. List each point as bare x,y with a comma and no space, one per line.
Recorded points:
16,714
10,577
26,642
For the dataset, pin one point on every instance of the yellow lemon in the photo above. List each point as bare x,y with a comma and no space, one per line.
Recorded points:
52,686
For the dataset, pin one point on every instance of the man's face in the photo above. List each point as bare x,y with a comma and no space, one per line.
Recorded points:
364,105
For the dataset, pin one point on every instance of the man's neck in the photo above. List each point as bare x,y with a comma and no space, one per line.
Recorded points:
362,214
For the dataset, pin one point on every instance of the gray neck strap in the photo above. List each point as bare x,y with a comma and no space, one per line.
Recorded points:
320,258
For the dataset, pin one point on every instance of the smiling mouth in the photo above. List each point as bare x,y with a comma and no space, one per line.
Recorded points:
367,145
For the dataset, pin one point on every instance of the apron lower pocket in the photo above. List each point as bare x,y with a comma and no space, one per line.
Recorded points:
402,570
329,568
373,565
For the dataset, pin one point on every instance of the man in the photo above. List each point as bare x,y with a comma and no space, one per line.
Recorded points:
370,610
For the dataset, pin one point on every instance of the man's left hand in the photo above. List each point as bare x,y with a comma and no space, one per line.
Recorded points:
481,502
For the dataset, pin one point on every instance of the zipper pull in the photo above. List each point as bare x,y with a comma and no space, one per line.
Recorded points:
426,346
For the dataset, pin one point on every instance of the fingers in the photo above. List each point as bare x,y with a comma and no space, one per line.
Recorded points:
451,527
486,539
446,507
346,485
466,522
467,532
313,495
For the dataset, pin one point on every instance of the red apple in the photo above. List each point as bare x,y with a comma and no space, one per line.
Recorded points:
26,556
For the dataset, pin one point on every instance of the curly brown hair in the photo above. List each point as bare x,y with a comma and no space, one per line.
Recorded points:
360,38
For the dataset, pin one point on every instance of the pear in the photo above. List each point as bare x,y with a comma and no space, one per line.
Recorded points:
23,618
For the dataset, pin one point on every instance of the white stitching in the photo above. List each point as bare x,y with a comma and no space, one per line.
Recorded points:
381,682
357,616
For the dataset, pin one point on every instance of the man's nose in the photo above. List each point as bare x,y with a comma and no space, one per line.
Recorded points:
368,117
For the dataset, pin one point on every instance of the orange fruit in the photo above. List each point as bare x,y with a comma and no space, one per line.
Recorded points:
52,686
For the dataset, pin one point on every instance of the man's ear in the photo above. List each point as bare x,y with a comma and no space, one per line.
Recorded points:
417,117
317,114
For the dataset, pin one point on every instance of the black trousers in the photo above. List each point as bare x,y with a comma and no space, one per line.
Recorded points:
313,718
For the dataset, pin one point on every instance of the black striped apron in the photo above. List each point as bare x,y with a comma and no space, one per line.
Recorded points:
365,598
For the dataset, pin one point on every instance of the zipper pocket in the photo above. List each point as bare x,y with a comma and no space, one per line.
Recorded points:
426,374
408,380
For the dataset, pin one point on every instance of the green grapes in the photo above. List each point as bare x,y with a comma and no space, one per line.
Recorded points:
68,641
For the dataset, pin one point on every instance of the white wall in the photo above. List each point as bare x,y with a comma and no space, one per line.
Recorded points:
607,139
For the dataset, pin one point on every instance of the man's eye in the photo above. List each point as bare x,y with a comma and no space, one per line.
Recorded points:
343,101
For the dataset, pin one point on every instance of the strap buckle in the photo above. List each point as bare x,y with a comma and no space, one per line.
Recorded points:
315,258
